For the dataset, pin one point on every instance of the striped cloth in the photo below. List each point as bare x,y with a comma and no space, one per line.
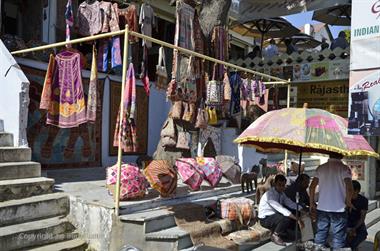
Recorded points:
162,177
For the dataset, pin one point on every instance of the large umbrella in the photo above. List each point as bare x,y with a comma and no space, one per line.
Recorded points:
337,15
304,130
271,27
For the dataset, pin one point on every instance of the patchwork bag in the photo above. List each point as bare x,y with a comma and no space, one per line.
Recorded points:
161,177
211,170
161,73
190,172
202,119
230,168
240,209
168,134
133,184
183,141
227,87
214,93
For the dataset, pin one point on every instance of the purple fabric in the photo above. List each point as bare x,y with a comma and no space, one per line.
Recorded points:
104,49
68,104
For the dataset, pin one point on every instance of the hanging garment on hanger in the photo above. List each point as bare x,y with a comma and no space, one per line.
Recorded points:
129,138
45,103
106,46
89,19
69,18
144,71
92,89
129,16
219,46
213,133
67,106
235,82
185,17
147,21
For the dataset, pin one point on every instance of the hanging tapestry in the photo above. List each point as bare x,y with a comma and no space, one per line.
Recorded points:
141,120
57,147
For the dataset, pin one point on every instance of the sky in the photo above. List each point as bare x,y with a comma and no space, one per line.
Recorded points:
300,19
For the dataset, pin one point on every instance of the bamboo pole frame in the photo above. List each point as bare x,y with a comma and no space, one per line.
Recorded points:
128,33
119,153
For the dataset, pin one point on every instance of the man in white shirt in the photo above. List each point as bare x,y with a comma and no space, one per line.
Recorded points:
335,191
271,50
274,213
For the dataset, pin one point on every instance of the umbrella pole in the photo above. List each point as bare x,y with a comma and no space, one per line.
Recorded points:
262,44
297,199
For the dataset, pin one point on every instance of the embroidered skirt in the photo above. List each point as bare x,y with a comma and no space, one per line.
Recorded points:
67,107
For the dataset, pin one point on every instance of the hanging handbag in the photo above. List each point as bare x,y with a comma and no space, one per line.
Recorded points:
214,91
226,87
212,116
189,112
168,135
183,140
161,73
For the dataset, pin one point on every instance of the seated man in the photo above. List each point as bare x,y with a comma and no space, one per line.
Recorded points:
300,185
357,231
273,212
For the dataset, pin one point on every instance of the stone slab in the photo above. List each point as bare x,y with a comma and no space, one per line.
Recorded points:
372,217
19,170
33,208
6,139
15,154
70,245
23,188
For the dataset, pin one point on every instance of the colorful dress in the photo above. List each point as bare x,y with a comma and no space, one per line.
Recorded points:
127,132
66,108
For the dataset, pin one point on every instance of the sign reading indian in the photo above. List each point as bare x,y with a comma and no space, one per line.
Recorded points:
365,34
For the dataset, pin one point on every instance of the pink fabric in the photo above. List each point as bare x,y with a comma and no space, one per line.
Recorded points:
211,170
133,183
188,169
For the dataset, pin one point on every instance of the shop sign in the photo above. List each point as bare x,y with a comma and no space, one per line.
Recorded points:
331,96
364,103
332,70
365,34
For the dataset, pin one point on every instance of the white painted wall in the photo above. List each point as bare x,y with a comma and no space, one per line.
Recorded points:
14,97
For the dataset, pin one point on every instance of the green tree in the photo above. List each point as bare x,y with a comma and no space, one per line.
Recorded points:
348,35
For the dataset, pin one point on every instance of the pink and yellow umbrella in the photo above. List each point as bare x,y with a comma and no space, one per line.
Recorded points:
304,130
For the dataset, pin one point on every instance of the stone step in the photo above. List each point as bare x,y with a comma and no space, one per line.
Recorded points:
169,239
23,188
372,205
372,217
6,139
70,245
19,170
34,208
15,154
35,233
372,231
153,220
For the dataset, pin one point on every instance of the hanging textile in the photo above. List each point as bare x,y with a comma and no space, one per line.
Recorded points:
47,88
89,19
110,22
67,104
219,47
92,89
129,16
69,19
128,135
212,133
183,77
235,82
144,71
147,22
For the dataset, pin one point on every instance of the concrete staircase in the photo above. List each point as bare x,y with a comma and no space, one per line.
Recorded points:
32,217
156,229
